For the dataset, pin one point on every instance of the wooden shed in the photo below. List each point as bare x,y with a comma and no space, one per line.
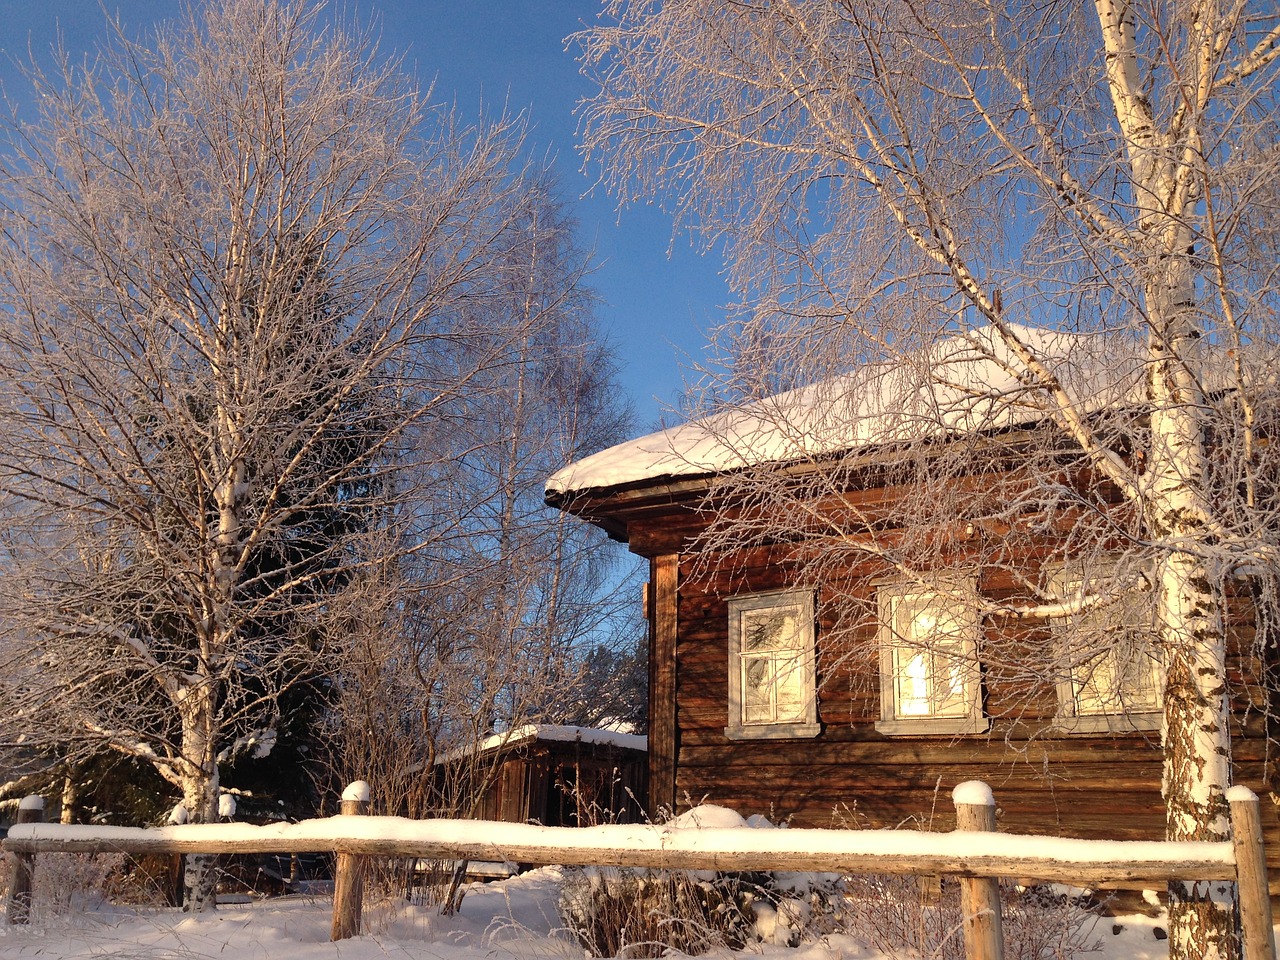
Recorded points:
557,776
749,708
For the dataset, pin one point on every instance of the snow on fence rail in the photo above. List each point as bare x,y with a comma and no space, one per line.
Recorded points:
973,852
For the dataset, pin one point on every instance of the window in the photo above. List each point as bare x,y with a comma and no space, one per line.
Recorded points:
772,690
1111,681
930,680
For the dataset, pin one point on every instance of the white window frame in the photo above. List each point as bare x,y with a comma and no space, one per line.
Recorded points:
741,610
956,599
1077,716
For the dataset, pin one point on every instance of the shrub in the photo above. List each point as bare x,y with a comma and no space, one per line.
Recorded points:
903,918
642,913
633,913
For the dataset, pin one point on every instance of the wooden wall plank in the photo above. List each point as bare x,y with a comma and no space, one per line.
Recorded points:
663,736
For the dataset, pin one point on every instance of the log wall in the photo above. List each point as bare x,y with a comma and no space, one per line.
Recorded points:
851,775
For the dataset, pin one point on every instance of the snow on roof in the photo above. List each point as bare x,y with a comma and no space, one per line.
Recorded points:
529,732
966,383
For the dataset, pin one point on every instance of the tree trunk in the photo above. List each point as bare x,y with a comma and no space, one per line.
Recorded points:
1197,755
1196,731
199,791
70,794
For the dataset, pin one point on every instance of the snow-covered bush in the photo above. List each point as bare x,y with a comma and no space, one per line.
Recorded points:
648,913
903,918
71,883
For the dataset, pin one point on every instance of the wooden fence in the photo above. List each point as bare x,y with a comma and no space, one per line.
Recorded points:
974,852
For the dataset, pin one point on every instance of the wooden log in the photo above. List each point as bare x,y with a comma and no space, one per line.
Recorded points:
665,578
979,896
30,810
819,851
348,871
1251,875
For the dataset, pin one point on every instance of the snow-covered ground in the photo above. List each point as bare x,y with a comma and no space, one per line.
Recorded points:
513,918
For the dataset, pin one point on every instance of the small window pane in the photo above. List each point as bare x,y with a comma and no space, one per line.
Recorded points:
913,682
757,689
1122,680
789,682
953,680
770,630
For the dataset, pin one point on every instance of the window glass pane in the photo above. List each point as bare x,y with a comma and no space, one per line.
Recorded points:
790,687
912,668
933,671
907,614
1118,681
757,690
1096,690
1124,676
952,674
1141,679
774,629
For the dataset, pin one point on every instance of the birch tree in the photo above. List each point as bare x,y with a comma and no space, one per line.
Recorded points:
235,265
906,191
489,627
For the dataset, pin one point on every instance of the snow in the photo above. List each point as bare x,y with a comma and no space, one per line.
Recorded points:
529,732
973,793
495,839
1241,794
359,792
31,802
512,919
709,815
962,384
226,805
519,917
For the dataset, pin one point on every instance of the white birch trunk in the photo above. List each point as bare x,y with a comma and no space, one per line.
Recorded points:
198,776
1195,729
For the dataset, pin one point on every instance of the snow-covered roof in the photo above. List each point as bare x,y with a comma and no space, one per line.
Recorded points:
530,732
965,383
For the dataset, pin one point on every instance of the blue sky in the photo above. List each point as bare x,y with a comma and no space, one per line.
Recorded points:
659,294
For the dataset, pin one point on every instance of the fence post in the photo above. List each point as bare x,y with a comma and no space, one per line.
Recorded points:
348,871
1251,875
30,810
979,896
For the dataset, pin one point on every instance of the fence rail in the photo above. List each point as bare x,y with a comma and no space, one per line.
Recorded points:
974,852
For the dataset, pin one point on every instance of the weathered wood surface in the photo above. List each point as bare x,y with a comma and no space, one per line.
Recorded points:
663,733
23,868
570,846
980,896
348,881
1251,869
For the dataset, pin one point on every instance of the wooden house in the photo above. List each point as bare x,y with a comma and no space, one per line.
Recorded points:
749,708
557,776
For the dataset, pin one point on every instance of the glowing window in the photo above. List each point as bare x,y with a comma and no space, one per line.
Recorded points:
1111,679
771,666
930,679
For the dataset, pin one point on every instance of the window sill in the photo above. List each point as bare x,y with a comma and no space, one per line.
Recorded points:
933,727
774,731
1113,723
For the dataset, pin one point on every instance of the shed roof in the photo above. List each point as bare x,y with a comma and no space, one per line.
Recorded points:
557,733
